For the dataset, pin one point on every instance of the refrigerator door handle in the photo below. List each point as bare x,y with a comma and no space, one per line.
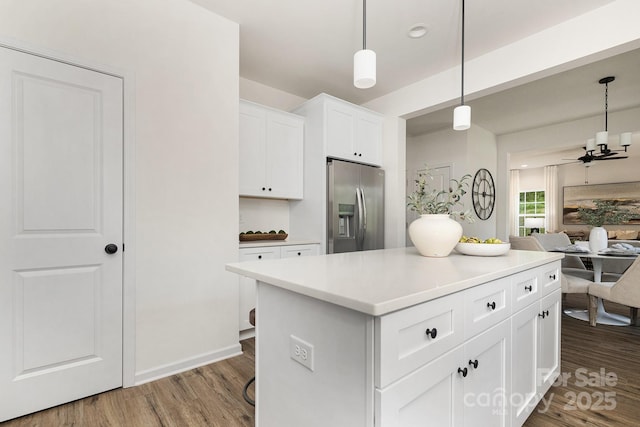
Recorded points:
364,212
361,220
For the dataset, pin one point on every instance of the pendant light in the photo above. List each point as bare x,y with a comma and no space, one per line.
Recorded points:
602,137
364,61
462,113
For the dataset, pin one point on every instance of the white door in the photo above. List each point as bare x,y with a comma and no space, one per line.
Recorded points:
60,205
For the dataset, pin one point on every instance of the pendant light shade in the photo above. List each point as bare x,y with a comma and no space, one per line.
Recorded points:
625,140
364,61
462,113
364,69
462,117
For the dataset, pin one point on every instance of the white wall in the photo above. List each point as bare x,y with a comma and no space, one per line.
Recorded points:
569,135
269,96
466,152
602,33
264,214
185,63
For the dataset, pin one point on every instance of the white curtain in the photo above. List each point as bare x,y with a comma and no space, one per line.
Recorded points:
551,198
514,200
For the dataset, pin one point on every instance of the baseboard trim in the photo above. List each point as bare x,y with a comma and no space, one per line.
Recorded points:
247,333
187,364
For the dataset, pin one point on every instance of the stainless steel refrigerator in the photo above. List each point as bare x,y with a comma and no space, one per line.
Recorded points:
355,208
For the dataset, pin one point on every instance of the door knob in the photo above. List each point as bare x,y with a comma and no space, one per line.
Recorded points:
111,249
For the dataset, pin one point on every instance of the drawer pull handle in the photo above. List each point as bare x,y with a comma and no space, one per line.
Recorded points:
299,253
432,332
474,363
544,314
263,188
552,276
259,256
463,371
491,305
528,288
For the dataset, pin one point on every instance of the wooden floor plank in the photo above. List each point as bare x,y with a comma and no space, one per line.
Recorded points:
211,396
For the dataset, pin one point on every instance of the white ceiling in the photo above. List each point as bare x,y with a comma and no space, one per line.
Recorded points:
305,48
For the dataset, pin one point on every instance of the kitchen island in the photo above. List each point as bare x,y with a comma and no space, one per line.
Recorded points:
391,338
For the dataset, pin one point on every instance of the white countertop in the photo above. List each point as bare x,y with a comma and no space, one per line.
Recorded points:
379,282
267,243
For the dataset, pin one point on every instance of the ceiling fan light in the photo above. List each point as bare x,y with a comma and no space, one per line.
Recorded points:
625,140
462,117
602,138
591,144
364,69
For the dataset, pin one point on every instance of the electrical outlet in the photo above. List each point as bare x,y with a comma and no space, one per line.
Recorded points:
301,351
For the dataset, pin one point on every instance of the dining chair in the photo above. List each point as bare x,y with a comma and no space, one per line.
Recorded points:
625,291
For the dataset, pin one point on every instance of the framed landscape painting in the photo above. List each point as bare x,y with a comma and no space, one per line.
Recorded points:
624,194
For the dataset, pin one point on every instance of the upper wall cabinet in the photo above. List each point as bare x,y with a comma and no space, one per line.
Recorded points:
347,131
353,133
271,150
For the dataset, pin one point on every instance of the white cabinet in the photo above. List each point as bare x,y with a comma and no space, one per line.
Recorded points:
270,152
466,386
536,348
248,286
464,359
353,133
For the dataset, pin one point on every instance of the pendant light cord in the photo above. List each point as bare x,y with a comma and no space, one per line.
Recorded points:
462,61
364,24
606,106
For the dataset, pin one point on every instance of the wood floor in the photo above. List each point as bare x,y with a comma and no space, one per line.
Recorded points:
212,395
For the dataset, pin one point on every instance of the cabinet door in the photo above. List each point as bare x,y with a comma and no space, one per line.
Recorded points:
285,136
431,395
252,150
524,351
549,341
299,250
248,286
340,131
487,384
368,138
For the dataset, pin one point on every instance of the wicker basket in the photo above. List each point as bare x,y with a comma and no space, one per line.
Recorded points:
262,236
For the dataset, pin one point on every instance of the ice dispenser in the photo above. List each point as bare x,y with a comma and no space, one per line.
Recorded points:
345,220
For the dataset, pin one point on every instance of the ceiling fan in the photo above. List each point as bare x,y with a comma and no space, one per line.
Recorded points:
604,154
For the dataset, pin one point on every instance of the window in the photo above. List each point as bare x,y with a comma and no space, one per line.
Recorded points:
531,206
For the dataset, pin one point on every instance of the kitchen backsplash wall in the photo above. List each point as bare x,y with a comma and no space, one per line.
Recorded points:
263,214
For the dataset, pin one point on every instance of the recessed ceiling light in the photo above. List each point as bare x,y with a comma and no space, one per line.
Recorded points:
417,31
523,166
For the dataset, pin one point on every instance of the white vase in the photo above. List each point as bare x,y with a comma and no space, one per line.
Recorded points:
598,239
435,235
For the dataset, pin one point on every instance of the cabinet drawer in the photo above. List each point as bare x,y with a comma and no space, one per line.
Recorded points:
525,288
549,278
407,339
486,305
255,254
299,250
